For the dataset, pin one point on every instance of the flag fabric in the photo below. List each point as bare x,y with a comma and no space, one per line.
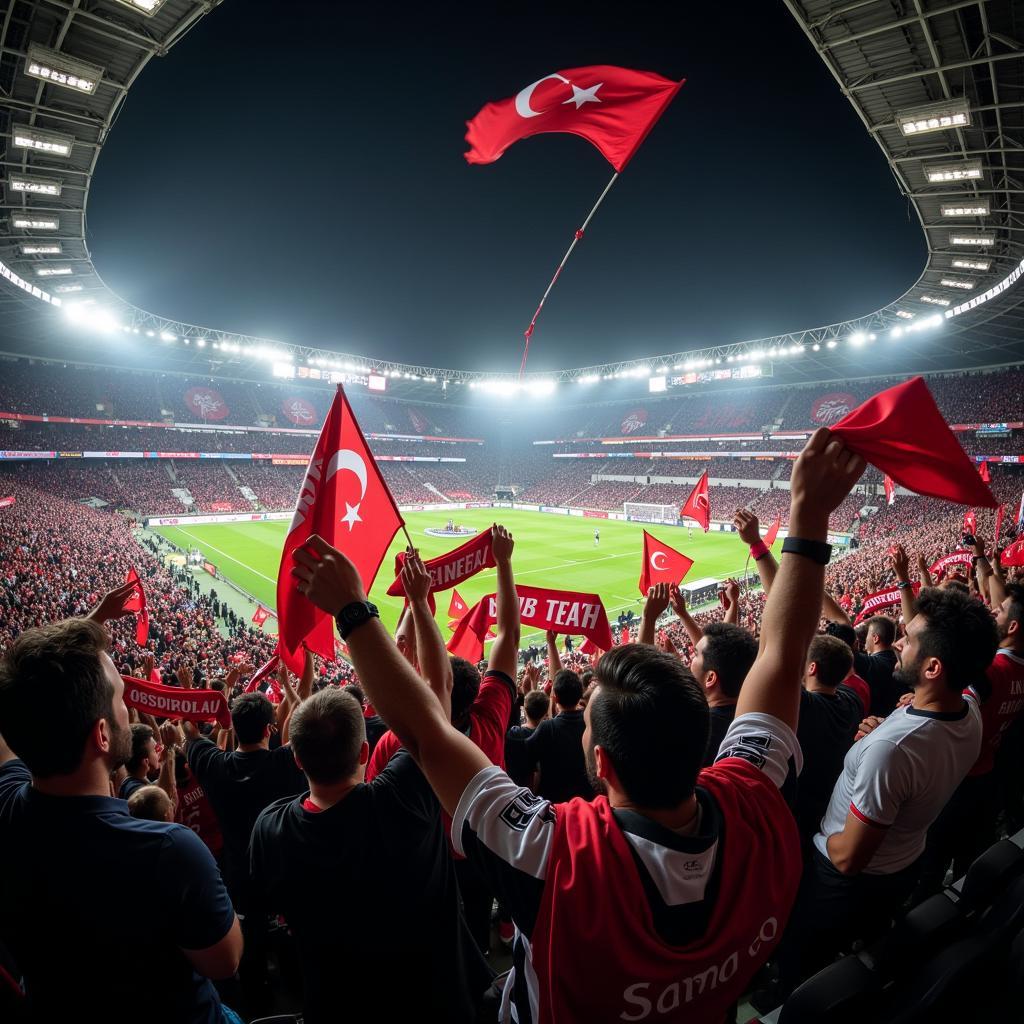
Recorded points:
345,500
453,567
563,611
1000,516
612,108
773,531
457,608
970,522
260,615
984,473
269,668
902,433
174,702
661,564
1014,554
890,489
698,504
881,599
7,502
624,636
954,558
1020,514
137,603
154,675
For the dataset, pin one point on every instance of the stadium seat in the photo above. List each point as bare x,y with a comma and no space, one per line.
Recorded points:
990,873
918,934
842,992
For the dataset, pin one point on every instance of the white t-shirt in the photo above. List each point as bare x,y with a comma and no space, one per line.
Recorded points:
899,778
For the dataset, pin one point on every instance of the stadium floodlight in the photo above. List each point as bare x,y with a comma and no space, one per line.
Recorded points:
962,263
41,249
957,282
167,336
59,69
46,270
51,143
858,338
971,238
896,332
934,300
35,221
831,344
904,314
147,7
965,208
67,288
963,170
33,185
934,117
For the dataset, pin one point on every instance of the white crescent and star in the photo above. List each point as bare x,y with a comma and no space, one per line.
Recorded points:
346,459
654,561
579,96
702,499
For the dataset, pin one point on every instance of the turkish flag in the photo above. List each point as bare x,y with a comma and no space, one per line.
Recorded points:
902,432
260,615
612,108
1014,554
773,531
970,522
890,489
137,603
661,564
457,607
698,504
984,473
343,499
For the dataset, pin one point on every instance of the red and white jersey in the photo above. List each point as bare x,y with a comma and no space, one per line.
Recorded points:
1001,707
620,918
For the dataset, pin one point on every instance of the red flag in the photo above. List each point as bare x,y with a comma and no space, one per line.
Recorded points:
260,615
661,564
890,489
267,669
453,567
970,522
137,603
984,473
624,637
902,432
773,531
154,675
457,607
343,499
7,502
1000,514
612,108
1014,554
698,504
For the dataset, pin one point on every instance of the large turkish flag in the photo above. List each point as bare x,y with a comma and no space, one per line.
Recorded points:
662,564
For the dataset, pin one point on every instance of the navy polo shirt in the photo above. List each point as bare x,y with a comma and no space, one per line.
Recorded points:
96,906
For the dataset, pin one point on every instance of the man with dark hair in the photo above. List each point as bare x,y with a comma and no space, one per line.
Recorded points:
894,783
848,634
829,715
386,839
703,864
556,746
536,708
375,727
876,663
146,764
64,840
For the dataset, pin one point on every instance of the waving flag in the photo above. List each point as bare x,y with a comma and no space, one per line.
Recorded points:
661,564
1014,554
457,607
901,432
984,473
970,522
343,499
1000,515
890,489
612,108
260,615
269,668
698,504
773,531
137,603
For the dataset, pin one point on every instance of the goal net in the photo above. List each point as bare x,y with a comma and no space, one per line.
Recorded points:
638,511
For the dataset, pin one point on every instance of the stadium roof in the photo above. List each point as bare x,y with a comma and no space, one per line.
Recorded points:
937,84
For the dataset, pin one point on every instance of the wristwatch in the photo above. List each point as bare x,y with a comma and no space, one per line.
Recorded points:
354,615
816,550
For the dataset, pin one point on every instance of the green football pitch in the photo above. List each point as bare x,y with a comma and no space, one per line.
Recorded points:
550,551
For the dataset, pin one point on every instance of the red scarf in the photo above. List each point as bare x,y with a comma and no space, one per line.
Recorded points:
564,611
595,948
174,702
453,567
956,558
882,599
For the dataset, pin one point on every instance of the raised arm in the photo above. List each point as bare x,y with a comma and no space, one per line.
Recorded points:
822,477
749,530
988,577
448,759
431,653
678,601
656,603
554,661
923,571
732,597
901,567
505,650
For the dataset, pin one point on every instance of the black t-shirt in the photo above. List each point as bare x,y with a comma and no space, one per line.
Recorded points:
721,719
828,722
239,785
130,785
876,670
556,747
368,889
87,890
375,728
517,758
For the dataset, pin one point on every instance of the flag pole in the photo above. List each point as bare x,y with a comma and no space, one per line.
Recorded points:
528,333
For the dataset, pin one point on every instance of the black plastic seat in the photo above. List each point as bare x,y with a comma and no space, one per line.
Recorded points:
932,924
843,992
991,873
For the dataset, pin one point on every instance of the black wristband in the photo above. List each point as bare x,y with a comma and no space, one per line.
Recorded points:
816,550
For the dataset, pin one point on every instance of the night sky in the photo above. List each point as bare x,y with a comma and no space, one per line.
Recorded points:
294,170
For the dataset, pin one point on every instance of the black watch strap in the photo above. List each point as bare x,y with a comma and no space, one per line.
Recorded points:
816,550
353,615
